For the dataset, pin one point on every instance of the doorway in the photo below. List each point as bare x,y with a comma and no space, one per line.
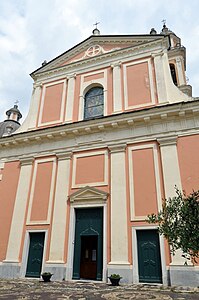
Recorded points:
88,246
35,254
149,260
88,264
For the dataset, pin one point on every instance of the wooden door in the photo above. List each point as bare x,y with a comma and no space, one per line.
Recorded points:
35,254
88,264
149,261
88,248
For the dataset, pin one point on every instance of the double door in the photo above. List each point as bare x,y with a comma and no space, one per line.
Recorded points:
88,246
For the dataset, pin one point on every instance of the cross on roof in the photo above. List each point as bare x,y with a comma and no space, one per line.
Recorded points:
164,22
16,102
96,24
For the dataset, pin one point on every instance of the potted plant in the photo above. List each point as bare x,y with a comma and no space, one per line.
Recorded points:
46,276
115,279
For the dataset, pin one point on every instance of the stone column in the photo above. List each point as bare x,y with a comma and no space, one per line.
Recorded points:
11,268
119,235
117,95
70,98
55,263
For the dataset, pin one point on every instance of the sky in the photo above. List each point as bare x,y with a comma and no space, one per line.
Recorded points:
32,31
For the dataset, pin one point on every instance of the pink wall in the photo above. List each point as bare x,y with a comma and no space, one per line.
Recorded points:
188,154
145,197
138,84
8,189
90,169
93,77
41,192
52,103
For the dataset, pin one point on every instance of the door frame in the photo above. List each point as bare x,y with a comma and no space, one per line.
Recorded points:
71,240
26,250
135,254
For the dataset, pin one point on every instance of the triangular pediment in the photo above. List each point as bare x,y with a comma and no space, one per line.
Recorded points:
95,46
87,194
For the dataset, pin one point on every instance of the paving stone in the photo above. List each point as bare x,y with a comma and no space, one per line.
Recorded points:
28,289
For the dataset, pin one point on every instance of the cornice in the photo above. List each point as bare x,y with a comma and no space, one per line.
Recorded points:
103,59
143,123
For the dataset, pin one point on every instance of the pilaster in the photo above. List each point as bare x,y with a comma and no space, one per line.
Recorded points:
34,106
171,176
57,245
117,95
180,71
170,165
160,80
70,97
119,237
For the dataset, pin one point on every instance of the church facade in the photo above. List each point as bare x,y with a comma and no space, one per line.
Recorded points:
112,128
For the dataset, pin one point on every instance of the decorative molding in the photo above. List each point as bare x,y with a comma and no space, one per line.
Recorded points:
51,194
116,64
45,86
131,179
90,154
164,121
167,141
141,50
159,53
2,164
24,161
71,76
150,84
84,204
85,85
117,148
65,155
88,194
37,85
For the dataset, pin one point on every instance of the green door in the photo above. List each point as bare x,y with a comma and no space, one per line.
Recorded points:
88,247
149,261
35,254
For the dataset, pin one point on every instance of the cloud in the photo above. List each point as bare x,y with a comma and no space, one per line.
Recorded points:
32,31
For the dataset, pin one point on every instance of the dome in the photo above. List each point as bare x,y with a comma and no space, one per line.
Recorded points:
7,127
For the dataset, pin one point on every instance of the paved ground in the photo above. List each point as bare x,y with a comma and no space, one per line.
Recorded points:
36,289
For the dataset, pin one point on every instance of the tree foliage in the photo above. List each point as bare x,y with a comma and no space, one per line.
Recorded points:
178,222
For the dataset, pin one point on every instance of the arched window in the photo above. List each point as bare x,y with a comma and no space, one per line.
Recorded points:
94,103
173,73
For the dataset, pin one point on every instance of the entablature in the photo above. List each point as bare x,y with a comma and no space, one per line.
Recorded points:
135,126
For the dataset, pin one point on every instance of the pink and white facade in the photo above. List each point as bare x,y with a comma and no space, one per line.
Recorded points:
122,162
